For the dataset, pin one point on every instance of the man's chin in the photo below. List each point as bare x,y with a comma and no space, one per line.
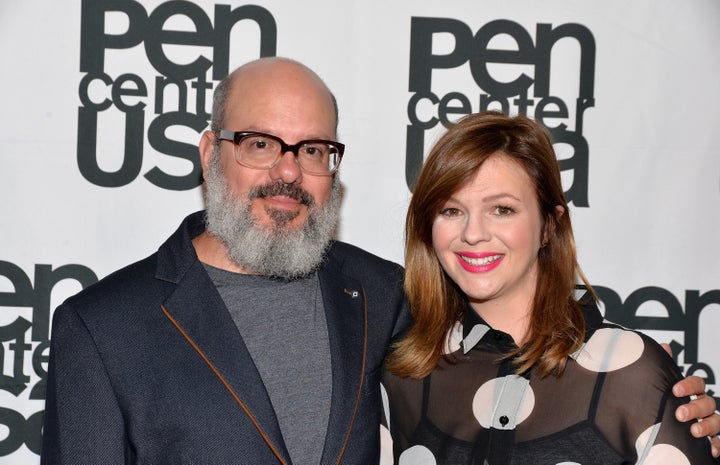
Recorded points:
280,219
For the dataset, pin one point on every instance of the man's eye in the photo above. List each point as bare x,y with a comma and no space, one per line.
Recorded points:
313,150
257,144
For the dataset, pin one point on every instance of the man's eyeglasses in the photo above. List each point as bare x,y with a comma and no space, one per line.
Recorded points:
263,151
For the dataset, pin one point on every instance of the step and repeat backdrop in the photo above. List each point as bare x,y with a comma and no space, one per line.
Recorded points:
104,103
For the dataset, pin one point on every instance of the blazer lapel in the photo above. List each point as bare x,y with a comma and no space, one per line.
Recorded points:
346,316
200,316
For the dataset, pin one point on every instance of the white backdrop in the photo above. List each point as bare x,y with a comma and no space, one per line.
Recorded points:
635,85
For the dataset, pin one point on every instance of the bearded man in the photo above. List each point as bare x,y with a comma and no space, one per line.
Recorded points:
246,338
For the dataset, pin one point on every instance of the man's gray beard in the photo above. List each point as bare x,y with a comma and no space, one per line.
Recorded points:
274,251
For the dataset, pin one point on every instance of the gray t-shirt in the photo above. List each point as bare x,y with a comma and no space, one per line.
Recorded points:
283,325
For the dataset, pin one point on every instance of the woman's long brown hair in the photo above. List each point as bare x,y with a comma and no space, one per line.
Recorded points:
556,326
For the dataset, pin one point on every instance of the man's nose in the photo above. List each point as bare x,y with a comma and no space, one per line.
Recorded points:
287,169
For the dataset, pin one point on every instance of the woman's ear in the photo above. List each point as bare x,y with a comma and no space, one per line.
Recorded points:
549,228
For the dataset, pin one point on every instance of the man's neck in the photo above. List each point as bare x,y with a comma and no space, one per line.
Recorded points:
211,251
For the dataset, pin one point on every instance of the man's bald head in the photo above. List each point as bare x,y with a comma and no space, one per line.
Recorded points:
267,68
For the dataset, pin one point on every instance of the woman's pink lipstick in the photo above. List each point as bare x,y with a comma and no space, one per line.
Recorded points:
479,262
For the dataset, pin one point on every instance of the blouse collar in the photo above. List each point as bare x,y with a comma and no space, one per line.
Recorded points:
476,329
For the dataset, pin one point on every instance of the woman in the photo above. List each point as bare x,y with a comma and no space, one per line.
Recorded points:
537,377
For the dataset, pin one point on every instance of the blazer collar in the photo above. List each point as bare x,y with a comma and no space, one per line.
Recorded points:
199,314
346,315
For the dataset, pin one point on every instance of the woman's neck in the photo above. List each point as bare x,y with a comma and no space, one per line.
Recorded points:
508,316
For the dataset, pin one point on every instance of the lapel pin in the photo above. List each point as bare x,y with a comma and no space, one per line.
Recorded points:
353,294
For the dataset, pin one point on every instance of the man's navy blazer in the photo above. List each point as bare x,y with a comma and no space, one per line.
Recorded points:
147,366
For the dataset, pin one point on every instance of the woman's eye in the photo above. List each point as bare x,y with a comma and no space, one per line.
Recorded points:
503,211
450,212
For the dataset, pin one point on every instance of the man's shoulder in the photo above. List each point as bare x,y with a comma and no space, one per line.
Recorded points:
148,279
348,255
131,282
372,272
382,284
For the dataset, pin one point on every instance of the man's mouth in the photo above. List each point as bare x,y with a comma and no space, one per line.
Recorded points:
282,191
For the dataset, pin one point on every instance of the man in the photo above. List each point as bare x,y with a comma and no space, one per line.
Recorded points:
250,337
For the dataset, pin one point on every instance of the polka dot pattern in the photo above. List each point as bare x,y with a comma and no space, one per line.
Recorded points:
474,409
658,454
386,447
610,349
665,454
504,402
385,403
417,455
454,338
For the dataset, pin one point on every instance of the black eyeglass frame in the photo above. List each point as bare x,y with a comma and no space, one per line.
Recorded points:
236,136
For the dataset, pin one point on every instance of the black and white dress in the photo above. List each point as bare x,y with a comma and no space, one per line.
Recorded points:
612,405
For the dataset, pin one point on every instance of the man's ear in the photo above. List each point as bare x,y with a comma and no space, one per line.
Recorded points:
206,148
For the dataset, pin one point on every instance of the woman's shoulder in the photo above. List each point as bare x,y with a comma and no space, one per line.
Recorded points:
614,348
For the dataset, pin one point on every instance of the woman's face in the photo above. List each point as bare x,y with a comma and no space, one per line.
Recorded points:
487,235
